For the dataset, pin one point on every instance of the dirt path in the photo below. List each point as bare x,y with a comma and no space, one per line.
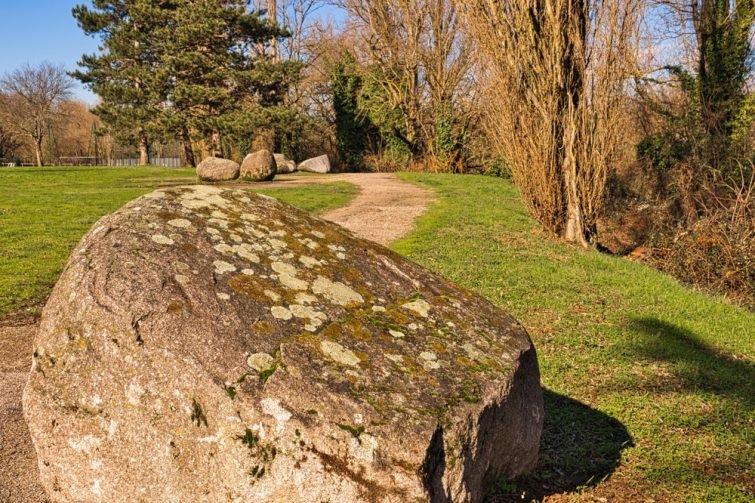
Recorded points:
18,463
384,211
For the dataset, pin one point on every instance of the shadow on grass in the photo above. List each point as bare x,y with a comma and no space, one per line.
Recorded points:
580,447
697,366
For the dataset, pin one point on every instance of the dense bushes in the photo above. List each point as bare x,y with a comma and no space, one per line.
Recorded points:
700,230
717,251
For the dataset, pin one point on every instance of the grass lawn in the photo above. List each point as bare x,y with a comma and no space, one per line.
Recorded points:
44,212
646,380
649,386
315,198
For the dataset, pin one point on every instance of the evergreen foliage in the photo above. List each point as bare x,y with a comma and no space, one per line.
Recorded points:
724,38
351,131
712,130
376,106
447,148
714,125
127,73
190,70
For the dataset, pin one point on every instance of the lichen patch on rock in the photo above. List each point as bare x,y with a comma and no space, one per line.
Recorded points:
336,291
181,223
163,240
281,313
339,353
419,306
222,267
260,361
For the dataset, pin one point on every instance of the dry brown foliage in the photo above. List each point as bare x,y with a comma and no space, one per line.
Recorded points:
555,75
73,130
717,251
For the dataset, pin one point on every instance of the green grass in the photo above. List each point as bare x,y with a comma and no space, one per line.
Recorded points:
646,380
44,212
649,385
315,198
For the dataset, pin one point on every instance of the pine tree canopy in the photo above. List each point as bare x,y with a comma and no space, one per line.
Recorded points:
179,68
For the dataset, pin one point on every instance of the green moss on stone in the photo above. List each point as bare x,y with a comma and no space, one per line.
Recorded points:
249,438
355,431
231,391
265,374
197,414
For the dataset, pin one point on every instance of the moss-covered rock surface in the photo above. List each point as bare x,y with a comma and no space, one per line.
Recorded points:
216,345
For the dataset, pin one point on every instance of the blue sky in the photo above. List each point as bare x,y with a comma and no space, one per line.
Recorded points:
36,30
32,31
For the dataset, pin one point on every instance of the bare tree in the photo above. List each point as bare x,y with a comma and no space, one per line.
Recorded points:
31,99
296,17
272,13
446,61
556,71
423,60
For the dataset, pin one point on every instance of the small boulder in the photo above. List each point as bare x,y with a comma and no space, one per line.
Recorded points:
216,345
319,164
284,164
259,166
215,169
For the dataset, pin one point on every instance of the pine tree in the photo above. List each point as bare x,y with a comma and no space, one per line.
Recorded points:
185,69
222,75
127,73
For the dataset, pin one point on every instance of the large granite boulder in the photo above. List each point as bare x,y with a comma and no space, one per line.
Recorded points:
284,164
214,345
319,164
259,166
215,169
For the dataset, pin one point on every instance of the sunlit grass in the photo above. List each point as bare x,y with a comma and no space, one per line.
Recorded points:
650,386
644,376
316,199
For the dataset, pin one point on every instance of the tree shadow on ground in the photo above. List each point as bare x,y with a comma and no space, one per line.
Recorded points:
697,366
580,447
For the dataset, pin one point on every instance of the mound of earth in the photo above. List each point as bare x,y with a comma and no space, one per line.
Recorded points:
217,345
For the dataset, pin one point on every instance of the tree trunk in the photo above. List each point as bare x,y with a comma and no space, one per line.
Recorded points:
272,15
187,147
38,150
143,150
574,231
216,149
574,36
